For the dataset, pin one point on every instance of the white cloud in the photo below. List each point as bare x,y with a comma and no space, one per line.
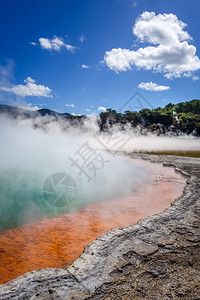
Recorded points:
150,86
55,44
70,48
85,67
102,108
33,43
87,109
45,44
82,38
29,79
69,105
29,106
169,53
73,114
29,89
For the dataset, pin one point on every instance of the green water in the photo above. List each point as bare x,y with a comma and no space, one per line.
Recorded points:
22,200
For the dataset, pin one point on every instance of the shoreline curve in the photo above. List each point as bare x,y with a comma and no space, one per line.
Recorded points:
156,258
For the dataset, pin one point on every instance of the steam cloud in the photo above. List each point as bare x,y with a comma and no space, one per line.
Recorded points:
34,149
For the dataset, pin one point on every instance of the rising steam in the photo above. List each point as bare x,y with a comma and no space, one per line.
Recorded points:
34,149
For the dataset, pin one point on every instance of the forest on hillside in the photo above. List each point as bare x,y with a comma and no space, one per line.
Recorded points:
181,118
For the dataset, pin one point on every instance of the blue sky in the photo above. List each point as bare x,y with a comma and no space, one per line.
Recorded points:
95,54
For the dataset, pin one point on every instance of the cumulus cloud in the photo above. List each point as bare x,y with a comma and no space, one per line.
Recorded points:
45,44
33,43
29,89
69,105
169,52
101,108
55,44
150,86
85,67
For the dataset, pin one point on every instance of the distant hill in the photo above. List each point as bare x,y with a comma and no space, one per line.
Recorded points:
19,112
173,119
42,117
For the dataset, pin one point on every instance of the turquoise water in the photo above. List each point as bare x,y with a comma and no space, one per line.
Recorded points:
22,200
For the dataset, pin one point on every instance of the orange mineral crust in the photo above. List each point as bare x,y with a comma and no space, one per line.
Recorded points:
59,241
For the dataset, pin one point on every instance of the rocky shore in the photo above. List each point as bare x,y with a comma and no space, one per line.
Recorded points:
157,258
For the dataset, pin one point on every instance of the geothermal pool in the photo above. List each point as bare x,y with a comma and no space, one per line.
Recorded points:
58,241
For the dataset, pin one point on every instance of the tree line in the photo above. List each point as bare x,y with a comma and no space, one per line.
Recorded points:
183,117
